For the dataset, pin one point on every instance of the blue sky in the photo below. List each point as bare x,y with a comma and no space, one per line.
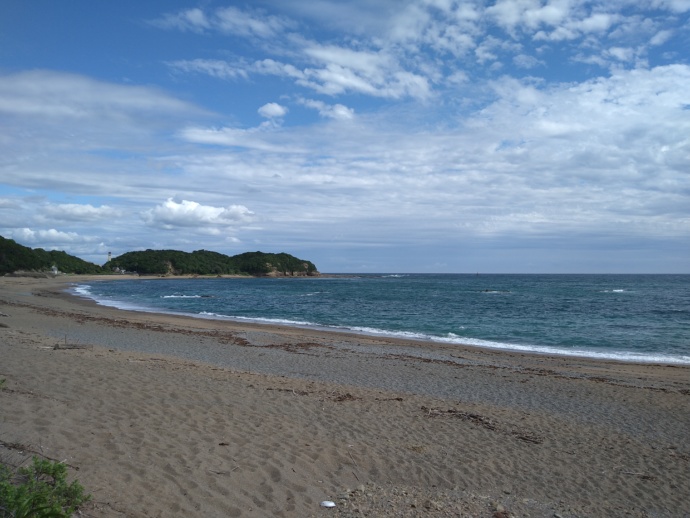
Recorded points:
390,136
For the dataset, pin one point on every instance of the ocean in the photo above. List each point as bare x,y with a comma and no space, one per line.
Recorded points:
640,318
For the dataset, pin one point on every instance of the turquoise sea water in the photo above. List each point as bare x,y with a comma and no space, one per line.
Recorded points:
627,317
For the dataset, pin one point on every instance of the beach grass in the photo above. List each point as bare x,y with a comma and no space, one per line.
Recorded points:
39,491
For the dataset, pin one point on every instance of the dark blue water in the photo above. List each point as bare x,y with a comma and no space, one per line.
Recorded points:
627,317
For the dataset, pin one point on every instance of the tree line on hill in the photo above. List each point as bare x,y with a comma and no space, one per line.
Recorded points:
15,257
204,262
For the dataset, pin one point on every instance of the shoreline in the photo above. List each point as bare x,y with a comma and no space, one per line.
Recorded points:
168,415
548,351
627,372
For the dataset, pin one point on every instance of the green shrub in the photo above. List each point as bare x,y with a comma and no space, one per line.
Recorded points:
39,491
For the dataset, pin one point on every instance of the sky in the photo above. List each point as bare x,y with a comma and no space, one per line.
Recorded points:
429,136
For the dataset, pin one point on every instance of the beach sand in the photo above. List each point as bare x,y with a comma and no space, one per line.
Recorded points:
160,415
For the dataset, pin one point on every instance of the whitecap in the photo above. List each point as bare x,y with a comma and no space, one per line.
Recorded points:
261,320
83,290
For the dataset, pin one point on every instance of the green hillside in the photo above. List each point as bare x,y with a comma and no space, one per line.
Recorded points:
204,262
15,257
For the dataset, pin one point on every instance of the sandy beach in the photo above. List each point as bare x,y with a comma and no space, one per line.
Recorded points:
159,415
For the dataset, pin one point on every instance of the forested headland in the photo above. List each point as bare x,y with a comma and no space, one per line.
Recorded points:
18,258
15,257
205,262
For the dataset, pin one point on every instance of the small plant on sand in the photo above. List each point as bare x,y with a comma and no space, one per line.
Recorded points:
2,383
40,491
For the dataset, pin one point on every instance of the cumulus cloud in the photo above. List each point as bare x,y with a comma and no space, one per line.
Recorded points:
510,14
47,238
621,53
171,215
272,110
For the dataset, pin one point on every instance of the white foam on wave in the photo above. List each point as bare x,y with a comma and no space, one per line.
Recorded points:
393,334
127,306
625,356
82,289
180,296
259,320
451,338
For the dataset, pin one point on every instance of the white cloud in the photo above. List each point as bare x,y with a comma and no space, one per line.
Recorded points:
676,6
526,61
244,23
75,134
333,111
272,67
253,138
348,71
577,28
171,215
491,47
46,238
45,93
553,13
187,20
390,58
212,67
368,64
598,22
599,157
6,203
620,53
77,212
228,20
272,110
661,37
